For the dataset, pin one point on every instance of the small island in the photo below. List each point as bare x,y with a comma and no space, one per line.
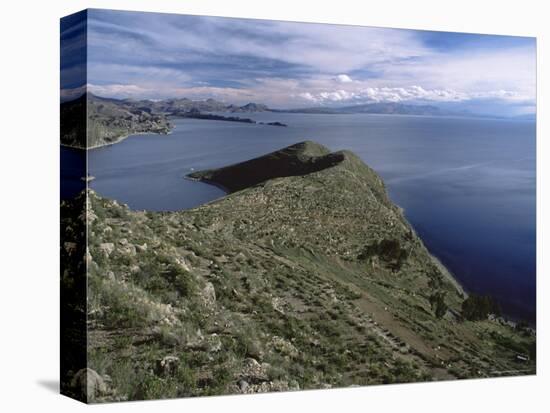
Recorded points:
196,114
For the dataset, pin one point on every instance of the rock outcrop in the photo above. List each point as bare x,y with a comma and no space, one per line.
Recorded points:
88,385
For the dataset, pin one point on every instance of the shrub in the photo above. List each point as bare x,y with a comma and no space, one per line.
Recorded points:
389,251
437,302
153,387
477,307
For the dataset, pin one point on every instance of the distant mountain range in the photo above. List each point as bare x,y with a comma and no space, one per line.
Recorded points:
394,108
175,107
388,108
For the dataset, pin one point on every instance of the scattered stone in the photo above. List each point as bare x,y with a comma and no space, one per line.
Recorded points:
278,304
208,294
107,248
127,249
240,257
214,343
254,372
195,341
284,347
141,248
243,385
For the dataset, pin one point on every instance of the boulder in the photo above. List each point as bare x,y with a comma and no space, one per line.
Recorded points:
127,249
254,372
167,366
89,385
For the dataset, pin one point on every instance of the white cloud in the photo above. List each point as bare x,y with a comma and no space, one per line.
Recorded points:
119,90
503,74
343,78
403,94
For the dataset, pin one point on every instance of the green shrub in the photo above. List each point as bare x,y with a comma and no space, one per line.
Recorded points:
389,251
153,387
477,307
437,302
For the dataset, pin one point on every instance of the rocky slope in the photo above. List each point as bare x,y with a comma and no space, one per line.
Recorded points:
101,121
305,276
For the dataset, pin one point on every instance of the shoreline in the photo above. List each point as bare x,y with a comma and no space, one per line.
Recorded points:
225,119
118,140
447,273
208,182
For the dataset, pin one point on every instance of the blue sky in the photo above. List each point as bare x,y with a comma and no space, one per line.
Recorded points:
284,64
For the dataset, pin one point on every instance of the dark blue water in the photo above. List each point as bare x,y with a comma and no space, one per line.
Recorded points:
467,185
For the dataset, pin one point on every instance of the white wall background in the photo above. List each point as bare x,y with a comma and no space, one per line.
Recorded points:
29,212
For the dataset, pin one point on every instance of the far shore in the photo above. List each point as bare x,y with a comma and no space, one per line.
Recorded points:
118,140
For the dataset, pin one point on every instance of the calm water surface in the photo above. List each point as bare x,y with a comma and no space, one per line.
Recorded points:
467,185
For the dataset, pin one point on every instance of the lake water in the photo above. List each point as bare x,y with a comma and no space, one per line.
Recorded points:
466,185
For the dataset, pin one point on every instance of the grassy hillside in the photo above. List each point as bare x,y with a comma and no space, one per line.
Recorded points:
312,280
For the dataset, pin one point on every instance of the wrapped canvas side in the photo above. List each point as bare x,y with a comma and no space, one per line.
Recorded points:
74,374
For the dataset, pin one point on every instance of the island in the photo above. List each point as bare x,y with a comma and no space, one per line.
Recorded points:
304,276
197,114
